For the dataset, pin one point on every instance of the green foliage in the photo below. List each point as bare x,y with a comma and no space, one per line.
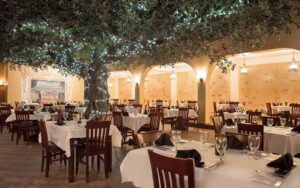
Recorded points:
66,33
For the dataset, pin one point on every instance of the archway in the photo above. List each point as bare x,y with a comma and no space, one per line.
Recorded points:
268,79
175,83
121,85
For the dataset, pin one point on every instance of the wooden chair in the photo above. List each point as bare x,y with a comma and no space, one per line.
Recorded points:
233,106
23,126
252,129
147,139
50,150
70,109
295,115
192,105
155,118
253,116
4,114
159,103
139,107
96,144
276,120
131,102
218,124
121,107
125,131
182,121
115,101
243,138
216,111
172,172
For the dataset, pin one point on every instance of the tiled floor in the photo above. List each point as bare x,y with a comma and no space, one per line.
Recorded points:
20,167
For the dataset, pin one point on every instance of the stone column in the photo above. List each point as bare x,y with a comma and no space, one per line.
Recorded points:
137,93
201,100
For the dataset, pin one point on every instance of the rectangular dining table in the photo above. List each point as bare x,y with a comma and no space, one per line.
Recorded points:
276,139
37,116
65,136
237,171
174,113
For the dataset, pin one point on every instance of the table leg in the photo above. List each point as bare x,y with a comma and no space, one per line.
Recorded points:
110,154
71,162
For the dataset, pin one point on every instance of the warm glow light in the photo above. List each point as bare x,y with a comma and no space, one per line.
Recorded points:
244,70
137,79
293,67
110,84
173,76
2,83
201,74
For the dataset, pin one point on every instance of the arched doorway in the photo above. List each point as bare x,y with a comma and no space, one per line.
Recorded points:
175,83
121,85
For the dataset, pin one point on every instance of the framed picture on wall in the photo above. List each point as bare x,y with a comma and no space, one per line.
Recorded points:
47,91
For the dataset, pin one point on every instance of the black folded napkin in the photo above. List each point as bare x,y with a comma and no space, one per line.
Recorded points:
125,114
43,110
297,155
296,129
52,111
229,122
283,164
194,154
60,123
164,140
234,143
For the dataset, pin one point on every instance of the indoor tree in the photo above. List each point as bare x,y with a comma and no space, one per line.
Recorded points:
84,38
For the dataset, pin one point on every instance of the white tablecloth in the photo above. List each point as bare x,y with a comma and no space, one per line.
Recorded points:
61,135
175,112
130,109
135,122
237,171
38,116
276,139
235,115
281,108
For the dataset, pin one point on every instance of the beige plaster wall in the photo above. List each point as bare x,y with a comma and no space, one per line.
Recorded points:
157,87
125,89
269,83
187,86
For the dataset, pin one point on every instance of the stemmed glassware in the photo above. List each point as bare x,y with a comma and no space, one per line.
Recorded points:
254,143
221,145
270,122
47,108
65,114
203,138
176,136
282,122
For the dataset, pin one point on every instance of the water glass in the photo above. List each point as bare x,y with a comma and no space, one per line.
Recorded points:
254,143
270,122
221,145
65,114
176,136
282,122
203,138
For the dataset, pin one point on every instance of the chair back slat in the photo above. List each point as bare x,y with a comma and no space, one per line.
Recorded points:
4,113
70,108
218,123
251,129
118,120
159,103
44,134
155,118
295,109
22,116
233,106
192,105
252,115
183,113
269,109
179,170
97,134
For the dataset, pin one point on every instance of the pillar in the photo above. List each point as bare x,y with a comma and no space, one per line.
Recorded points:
137,93
201,100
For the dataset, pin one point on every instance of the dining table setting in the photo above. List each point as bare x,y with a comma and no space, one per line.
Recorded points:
217,166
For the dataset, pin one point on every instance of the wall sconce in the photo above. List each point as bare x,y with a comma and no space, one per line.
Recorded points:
110,84
201,75
2,83
137,79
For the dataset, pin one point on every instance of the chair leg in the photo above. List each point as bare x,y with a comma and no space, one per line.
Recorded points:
98,162
47,165
106,164
87,178
93,161
77,165
42,167
18,137
12,136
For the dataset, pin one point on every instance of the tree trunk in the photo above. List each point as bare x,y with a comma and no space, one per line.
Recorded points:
96,94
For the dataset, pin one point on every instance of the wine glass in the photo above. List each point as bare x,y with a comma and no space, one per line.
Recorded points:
270,122
176,136
47,108
203,138
254,143
65,114
221,145
282,122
